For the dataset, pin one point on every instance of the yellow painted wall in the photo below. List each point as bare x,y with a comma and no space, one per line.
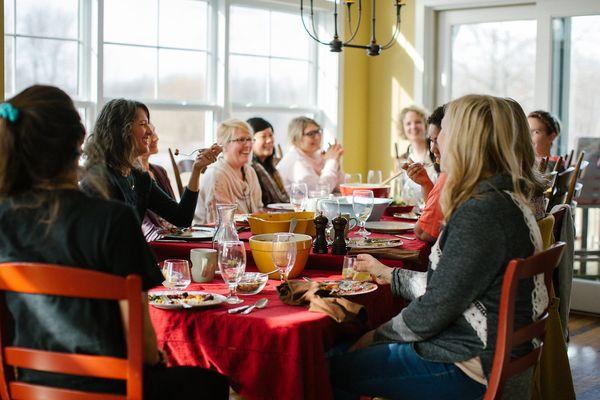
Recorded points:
375,90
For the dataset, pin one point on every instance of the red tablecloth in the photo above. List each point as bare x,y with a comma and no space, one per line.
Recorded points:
170,249
274,353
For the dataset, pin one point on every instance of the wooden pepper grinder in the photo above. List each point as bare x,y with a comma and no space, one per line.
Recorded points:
320,243
339,239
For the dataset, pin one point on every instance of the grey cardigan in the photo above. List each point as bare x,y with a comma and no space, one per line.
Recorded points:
453,315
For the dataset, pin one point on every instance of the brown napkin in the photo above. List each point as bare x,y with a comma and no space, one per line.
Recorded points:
392,254
352,317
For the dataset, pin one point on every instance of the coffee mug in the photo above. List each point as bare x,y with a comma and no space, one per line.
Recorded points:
204,264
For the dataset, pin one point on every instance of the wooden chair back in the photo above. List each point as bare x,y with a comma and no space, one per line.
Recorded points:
176,173
543,165
56,280
574,178
505,364
569,158
560,187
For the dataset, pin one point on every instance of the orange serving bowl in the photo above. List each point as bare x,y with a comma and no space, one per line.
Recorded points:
378,190
280,222
262,248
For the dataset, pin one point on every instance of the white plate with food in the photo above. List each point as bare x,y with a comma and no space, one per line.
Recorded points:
407,216
373,243
281,206
170,299
389,226
347,287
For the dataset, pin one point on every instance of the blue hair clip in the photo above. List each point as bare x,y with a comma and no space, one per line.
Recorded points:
7,111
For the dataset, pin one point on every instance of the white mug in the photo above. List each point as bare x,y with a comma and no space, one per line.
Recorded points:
204,264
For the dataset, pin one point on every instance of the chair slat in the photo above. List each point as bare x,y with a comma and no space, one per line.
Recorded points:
518,365
529,332
66,363
25,391
40,279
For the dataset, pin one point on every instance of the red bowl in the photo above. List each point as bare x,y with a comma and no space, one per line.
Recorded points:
382,191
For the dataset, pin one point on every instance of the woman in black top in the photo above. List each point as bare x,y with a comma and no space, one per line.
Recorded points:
44,217
120,135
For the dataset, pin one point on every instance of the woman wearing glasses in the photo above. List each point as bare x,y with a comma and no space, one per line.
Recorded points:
230,180
305,163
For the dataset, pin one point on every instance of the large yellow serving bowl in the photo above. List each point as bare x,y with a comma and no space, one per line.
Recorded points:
262,246
280,222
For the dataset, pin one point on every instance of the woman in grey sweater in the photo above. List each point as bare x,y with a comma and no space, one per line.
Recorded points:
442,344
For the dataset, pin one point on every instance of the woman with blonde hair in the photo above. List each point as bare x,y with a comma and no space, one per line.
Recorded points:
442,344
305,162
413,127
230,180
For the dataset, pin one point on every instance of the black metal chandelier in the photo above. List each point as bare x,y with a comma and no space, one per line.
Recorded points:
336,44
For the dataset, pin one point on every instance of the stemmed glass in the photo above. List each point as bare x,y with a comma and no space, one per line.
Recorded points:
177,274
362,205
298,196
374,176
353,178
232,264
284,253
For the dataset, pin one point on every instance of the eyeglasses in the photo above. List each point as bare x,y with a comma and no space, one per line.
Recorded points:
313,133
241,140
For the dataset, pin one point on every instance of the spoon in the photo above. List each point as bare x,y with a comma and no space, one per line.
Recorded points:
261,303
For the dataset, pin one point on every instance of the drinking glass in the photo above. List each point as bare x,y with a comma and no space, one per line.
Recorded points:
374,176
232,264
330,208
348,267
298,196
362,205
177,274
284,253
353,178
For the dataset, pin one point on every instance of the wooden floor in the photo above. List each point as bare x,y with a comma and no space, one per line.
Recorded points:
584,355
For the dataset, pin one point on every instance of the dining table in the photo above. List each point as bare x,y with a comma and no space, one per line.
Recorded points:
277,352
280,351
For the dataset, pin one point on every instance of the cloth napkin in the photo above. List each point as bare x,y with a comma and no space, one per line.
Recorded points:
392,254
351,316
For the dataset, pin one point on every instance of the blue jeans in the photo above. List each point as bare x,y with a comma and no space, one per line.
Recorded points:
396,371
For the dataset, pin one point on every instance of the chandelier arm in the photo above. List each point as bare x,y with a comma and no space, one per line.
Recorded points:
396,31
373,12
313,37
347,42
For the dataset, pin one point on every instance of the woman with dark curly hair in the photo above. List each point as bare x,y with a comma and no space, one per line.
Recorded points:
122,134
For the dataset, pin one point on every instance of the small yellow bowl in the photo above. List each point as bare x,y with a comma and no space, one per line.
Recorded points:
262,247
280,222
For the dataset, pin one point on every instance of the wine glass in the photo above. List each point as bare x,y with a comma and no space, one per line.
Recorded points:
298,196
177,274
362,205
284,253
353,178
232,264
374,176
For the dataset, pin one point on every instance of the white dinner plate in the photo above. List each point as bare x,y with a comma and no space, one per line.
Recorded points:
159,299
389,226
347,287
359,243
281,206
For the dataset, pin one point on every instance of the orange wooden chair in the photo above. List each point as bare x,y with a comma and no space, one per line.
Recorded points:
505,365
50,279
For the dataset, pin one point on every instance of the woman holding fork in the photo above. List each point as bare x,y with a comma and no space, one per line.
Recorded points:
122,134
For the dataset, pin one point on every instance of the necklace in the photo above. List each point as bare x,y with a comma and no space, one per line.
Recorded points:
130,181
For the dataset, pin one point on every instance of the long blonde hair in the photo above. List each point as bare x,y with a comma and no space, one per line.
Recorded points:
486,136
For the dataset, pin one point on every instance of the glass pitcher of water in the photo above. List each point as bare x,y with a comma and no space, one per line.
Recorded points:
225,231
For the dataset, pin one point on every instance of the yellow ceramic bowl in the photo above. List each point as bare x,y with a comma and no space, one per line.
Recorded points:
262,246
280,222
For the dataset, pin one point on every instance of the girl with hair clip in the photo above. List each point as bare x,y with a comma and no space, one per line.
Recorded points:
441,346
46,218
121,135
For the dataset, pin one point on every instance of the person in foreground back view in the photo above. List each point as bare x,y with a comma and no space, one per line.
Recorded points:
44,217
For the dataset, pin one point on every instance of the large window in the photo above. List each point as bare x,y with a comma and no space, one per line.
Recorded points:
193,62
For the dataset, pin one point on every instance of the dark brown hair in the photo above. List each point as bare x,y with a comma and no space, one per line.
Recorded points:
551,122
111,141
40,149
